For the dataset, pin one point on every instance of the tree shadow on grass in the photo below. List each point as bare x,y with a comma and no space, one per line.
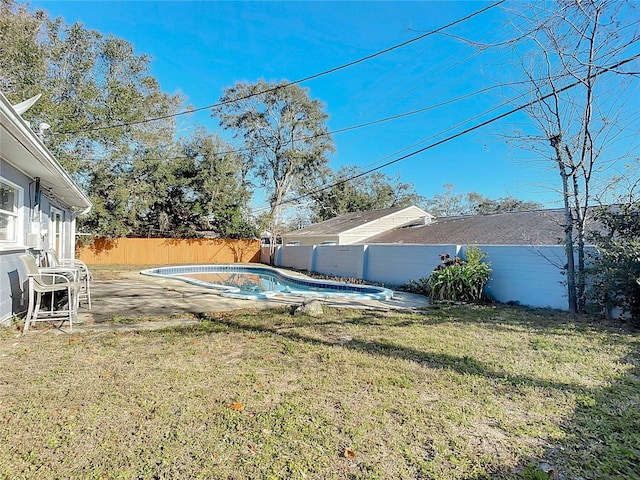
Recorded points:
464,364
506,318
602,436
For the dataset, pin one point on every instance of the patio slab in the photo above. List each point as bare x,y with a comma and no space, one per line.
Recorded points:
131,295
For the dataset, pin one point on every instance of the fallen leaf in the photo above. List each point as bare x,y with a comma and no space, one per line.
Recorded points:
194,342
350,454
73,340
106,374
267,358
252,337
238,407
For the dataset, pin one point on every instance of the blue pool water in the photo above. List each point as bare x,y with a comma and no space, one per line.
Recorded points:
253,282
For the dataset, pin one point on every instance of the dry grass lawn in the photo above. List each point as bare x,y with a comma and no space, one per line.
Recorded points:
457,392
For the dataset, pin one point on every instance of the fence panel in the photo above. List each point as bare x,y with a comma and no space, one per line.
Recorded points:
397,264
298,256
168,251
528,275
339,260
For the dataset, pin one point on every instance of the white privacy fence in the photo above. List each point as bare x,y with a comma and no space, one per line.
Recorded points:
529,275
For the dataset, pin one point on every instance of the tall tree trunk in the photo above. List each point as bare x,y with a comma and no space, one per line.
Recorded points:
556,143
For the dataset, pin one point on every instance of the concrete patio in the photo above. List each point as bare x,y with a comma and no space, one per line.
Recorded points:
129,295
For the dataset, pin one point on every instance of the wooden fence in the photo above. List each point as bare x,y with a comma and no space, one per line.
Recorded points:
168,251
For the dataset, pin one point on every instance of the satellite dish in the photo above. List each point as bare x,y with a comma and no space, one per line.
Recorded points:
22,107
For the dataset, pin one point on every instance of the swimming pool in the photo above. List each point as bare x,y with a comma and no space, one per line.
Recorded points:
255,282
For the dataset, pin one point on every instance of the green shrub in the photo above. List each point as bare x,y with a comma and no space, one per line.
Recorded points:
455,280
615,268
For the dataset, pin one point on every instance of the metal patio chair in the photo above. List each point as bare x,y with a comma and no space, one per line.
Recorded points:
70,266
42,283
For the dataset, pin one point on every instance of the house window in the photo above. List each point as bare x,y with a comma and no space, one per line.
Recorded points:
9,208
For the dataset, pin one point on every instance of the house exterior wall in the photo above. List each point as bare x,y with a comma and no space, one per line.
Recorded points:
25,163
309,240
359,234
33,234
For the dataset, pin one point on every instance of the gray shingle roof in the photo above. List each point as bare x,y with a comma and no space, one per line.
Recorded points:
540,227
345,222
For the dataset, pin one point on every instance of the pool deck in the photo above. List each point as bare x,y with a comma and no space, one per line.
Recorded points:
131,295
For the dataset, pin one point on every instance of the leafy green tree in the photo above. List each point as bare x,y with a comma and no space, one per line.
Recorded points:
615,273
284,131
20,51
487,206
98,95
450,204
372,192
216,186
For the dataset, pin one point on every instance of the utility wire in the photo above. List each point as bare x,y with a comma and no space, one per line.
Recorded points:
370,123
464,132
287,84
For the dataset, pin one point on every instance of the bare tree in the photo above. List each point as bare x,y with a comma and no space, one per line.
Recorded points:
579,43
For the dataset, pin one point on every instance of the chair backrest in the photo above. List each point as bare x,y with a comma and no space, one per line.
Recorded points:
32,269
51,258
30,264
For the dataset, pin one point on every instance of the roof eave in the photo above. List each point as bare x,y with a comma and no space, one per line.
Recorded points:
38,160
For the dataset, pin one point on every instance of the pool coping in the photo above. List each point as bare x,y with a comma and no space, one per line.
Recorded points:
355,291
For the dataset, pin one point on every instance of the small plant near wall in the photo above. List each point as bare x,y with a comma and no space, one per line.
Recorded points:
455,280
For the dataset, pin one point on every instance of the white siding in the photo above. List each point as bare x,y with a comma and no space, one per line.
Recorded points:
309,240
384,224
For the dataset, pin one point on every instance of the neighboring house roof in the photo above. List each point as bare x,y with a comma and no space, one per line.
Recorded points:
24,150
349,221
539,227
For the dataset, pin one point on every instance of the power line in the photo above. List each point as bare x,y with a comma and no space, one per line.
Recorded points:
366,124
287,84
464,132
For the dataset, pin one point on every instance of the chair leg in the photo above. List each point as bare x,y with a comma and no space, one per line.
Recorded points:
88,291
27,319
36,310
73,311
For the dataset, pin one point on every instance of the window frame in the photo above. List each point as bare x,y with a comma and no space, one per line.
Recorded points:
16,214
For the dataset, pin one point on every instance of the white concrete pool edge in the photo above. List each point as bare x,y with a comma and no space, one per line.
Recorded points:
366,292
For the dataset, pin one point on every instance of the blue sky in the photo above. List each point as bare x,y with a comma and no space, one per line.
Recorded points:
200,48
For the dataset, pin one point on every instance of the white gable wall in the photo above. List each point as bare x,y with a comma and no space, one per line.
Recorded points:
309,240
361,233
